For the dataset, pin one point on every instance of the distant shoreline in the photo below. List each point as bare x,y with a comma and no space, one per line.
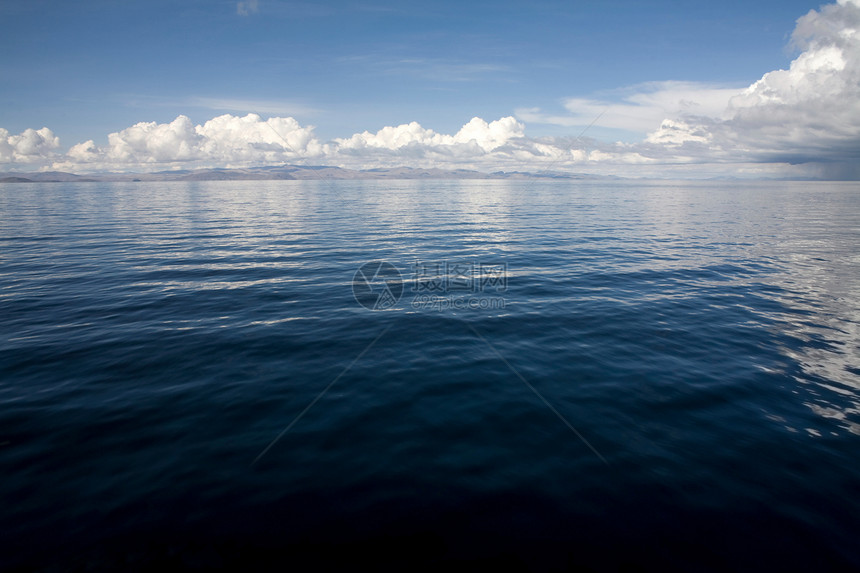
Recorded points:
289,172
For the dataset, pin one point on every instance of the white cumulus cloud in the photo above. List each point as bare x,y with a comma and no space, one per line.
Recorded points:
807,114
804,120
150,142
224,141
31,146
486,136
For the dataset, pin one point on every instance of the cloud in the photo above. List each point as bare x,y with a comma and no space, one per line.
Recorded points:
478,144
809,113
815,104
224,141
486,136
643,107
803,121
154,143
242,141
247,7
28,147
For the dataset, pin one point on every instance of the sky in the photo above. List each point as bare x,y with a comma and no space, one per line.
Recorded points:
667,89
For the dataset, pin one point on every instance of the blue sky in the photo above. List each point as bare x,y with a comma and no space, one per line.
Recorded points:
89,68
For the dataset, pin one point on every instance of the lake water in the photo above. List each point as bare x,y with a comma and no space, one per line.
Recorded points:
556,374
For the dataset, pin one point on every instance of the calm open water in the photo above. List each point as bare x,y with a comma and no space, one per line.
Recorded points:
597,374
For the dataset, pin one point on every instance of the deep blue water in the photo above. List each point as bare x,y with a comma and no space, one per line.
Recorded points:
574,374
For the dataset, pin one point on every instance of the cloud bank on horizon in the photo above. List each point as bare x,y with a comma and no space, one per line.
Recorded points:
803,121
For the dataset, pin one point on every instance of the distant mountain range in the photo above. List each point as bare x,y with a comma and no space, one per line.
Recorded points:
286,172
